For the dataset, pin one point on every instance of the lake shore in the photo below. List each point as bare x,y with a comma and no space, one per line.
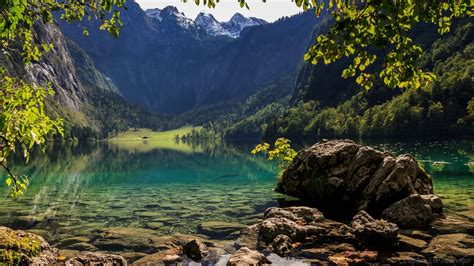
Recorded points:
158,219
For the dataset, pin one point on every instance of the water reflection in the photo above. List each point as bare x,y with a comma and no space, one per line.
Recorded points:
76,189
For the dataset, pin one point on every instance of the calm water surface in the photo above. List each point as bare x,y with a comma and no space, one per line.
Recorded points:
173,188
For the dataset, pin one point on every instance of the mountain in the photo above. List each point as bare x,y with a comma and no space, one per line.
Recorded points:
205,21
171,64
211,25
87,100
238,22
232,28
324,105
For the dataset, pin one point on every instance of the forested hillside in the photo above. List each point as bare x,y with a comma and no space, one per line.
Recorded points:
87,100
325,105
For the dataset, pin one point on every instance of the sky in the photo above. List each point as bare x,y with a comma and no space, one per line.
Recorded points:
225,9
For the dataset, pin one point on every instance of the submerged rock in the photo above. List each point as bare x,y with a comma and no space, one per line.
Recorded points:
407,243
342,176
373,231
96,258
452,248
20,247
160,258
414,211
125,238
354,257
401,258
195,249
219,229
245,256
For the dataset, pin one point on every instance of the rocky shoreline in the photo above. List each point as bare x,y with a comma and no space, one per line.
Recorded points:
282,236
381,209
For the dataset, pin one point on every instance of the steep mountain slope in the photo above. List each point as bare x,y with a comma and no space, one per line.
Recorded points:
85,98
324,105
166,62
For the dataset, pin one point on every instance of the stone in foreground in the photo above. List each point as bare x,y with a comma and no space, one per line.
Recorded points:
19,247
414,211
344,177
282,245
373,231
195,249
245,256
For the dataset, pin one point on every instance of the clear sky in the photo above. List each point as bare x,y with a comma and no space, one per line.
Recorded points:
269,11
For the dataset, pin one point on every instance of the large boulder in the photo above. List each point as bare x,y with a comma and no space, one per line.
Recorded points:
21,248
414,211
96,258
345,176
245,256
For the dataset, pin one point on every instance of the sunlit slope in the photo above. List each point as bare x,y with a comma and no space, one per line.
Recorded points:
145,140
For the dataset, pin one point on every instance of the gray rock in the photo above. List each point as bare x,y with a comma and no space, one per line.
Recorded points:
282,245
370,230
301,215
344,176
96,258
195,249
272,227
414,211
245,256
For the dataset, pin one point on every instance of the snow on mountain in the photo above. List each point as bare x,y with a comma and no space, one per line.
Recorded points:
238,22
210,24
154,13
170,13
205,21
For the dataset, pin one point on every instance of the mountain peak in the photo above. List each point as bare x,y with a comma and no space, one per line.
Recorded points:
154,13
172,15
238,22
205,21
171,9
237,16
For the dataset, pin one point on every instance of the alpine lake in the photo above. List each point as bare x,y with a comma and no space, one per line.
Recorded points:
77,190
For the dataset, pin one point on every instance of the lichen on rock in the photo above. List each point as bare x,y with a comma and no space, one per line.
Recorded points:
20,247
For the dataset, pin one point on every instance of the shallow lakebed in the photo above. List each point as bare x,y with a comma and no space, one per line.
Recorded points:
76,191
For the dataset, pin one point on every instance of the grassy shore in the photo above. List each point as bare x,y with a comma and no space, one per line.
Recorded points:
148,134
146,140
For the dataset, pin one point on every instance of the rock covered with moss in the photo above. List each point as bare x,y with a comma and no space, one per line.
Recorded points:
20,247
345,177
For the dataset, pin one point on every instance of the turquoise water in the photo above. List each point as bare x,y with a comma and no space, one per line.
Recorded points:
77,189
